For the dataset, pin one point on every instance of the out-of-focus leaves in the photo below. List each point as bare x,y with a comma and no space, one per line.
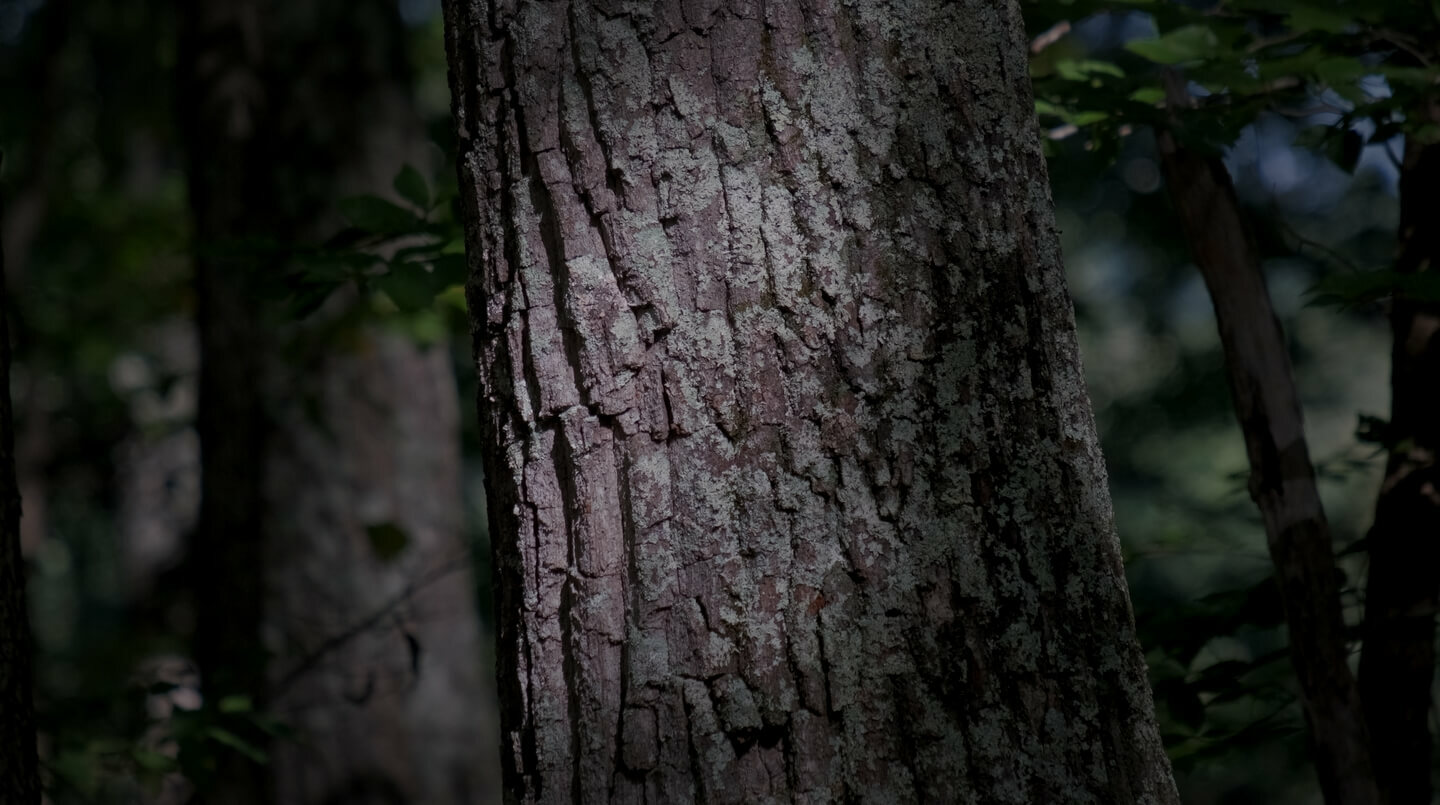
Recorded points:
1181,701
236,704
410,287
453,298
412,187
1257,605
1360,287
152,761
449,269
378,216
1339,143
1086,69
346,238
1187,44
244,747
1210,747
1150,95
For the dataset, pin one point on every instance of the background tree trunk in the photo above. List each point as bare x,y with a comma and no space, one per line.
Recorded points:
1402,590
19,766
1282,479
314,435
795,492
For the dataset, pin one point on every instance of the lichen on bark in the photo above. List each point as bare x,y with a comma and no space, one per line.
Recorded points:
795,491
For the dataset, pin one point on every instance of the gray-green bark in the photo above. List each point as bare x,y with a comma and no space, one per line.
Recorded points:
314,432
795,491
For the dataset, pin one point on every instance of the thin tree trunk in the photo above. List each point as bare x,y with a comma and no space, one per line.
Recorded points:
794,488
219,107
1397,664
19,766
1282,479
316,436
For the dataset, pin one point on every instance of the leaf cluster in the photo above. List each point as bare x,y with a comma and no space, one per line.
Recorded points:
1337,62
408,254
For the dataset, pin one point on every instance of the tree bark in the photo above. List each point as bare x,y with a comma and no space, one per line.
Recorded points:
1402,590
314,434
1282,479
794,487
19,766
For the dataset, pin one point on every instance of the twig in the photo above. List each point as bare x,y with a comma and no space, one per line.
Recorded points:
333,643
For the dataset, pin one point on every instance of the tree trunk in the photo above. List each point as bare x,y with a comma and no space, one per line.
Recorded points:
1282,479
1397,664
378,658
794,488
19,766
317,436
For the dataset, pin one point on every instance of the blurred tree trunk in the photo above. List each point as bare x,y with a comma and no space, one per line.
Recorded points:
1282,479
794,488
19,766
1397,663
317,435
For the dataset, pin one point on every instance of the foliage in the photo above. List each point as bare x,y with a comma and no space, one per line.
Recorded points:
408,253
1363,64
189,742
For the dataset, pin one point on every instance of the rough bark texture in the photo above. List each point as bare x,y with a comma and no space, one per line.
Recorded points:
795,492
313,434
19,767
1397,665
1282,479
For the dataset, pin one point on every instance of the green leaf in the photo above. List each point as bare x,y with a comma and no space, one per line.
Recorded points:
387,540
453,298
1299,65
78,769
150,760
450,269
425,327
1084,69
411,187
1185,44
409,254
244,747
1341,71
236,704
1088,118
1048,108
273,726
1310,18
1416,77
1148,95
409,287
376,215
